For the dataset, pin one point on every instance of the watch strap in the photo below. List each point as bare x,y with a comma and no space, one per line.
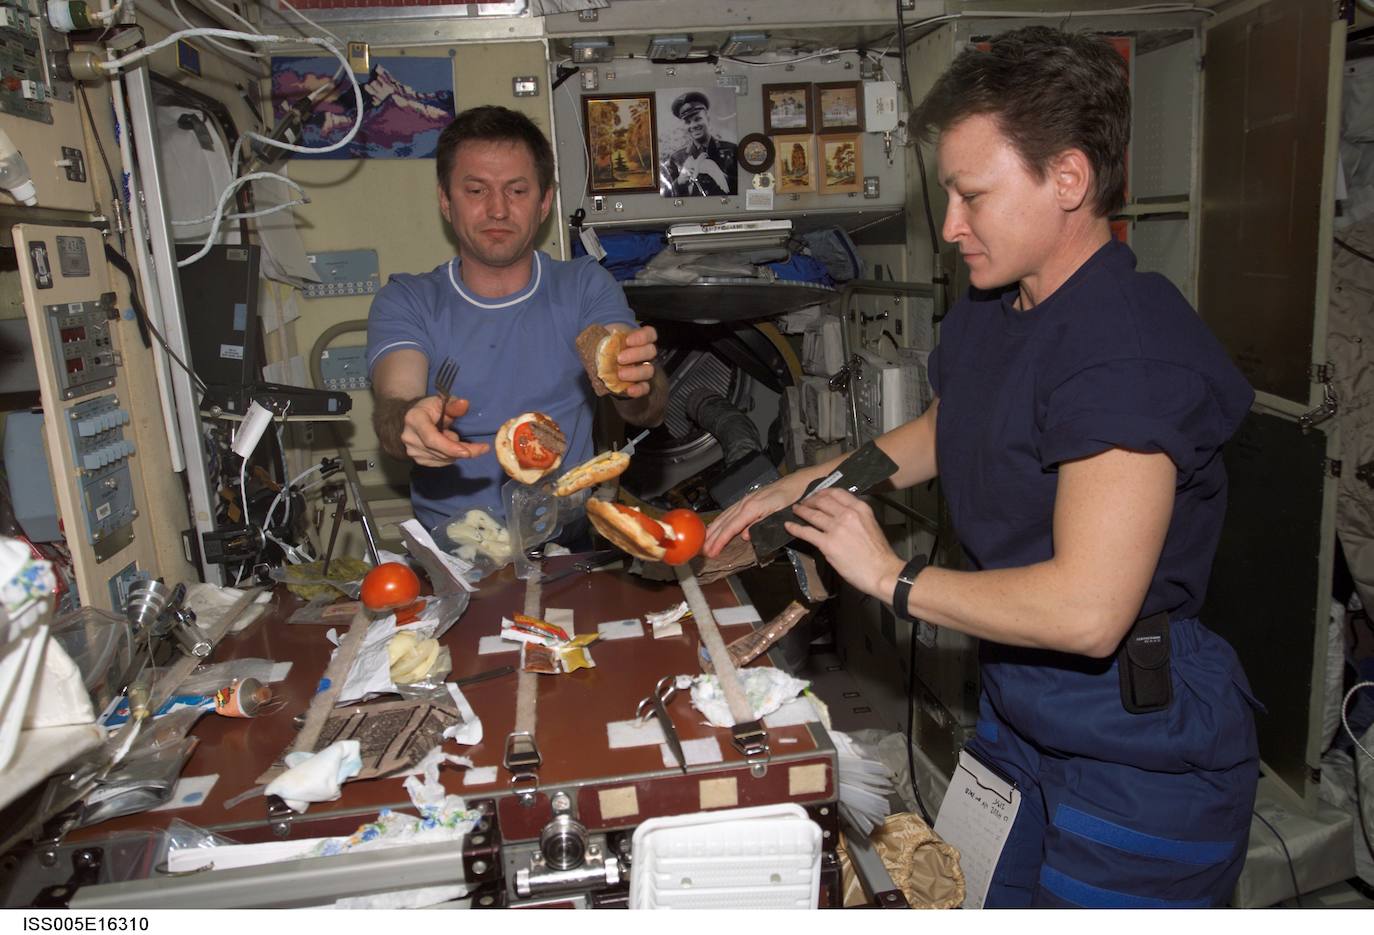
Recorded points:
905,579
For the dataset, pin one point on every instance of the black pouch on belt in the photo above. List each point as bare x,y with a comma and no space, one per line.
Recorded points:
1143,663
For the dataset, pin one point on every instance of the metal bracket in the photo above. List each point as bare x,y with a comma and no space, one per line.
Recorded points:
279,816
522,759
1327,409
751,740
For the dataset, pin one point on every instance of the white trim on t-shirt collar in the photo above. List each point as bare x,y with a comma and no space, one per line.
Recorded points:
533,287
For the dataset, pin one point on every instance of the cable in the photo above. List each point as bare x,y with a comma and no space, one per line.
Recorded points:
122,264
1345,704
215,42
910,727
1349,249
223,200
262,212
586,151
1297,894
310,22
822,53
115,191
114,65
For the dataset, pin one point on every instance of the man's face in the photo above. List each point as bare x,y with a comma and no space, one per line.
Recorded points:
1004,220
695,121
493,202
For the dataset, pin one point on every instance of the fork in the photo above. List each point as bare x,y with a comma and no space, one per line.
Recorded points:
443,383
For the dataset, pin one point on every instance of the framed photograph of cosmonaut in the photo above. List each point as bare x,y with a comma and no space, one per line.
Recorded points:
795,163
697,142
621,143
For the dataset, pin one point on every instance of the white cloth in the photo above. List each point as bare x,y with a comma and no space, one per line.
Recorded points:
317,777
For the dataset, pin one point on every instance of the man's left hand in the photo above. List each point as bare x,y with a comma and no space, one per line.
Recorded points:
637,360
844,528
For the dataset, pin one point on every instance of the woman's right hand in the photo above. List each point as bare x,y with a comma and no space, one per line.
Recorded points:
750,509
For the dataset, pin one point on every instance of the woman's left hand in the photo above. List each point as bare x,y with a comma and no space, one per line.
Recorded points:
844,528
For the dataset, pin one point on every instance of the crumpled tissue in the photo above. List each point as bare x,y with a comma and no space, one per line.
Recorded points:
468,730
766,690
424,787
316,777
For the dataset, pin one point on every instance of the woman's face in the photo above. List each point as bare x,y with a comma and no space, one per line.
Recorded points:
1004,220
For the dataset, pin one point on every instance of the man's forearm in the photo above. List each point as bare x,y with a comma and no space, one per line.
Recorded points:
647,411
388,421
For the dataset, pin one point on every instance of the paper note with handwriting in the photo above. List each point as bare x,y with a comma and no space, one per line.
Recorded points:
976,817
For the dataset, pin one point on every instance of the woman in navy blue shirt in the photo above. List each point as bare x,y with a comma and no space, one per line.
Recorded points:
1079,414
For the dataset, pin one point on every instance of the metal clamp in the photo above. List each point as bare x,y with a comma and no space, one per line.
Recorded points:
522,759
751,740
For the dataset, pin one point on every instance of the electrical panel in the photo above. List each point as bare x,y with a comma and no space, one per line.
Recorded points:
344,368
92,458
343,272
23,83
82,353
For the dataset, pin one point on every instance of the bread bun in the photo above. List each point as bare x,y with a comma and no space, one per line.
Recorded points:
598,470
547,439
599,348
608,363
625,530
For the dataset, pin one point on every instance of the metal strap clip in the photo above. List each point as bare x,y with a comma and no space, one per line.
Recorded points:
751,740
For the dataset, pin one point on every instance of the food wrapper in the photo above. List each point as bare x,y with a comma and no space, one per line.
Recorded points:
568,656
668,622
537,658
573,654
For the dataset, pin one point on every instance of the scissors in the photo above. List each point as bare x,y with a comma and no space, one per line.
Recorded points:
656,706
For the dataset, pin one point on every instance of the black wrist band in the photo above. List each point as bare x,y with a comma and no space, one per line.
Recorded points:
905,579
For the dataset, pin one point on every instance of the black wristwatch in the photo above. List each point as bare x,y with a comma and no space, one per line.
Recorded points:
905,579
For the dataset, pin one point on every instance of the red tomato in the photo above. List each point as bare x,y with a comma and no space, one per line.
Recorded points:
528,452
388,586
688,532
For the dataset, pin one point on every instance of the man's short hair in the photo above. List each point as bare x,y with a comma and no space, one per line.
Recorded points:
692,100
1048,91
490,123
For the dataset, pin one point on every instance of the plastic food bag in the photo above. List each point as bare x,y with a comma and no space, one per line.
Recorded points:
478,538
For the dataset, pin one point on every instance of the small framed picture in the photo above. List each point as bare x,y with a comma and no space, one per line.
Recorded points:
787,109
795,163
839,107
622,141
841,164
755,153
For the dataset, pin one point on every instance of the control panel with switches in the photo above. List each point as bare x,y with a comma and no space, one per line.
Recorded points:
101,453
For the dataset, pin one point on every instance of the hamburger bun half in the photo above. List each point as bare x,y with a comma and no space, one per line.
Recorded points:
625,528
542,439
599,348
598,470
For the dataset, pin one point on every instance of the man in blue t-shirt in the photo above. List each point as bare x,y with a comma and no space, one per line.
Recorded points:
508,315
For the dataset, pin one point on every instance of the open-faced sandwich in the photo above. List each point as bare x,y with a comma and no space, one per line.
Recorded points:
530,447
598,470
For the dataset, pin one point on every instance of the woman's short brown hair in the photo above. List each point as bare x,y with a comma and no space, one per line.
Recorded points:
1048,91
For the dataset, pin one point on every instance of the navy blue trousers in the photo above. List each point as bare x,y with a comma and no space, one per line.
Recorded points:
1118,809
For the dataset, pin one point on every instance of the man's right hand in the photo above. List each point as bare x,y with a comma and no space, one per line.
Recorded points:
747,511
426,444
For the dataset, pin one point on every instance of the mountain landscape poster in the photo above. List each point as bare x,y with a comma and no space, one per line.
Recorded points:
407,102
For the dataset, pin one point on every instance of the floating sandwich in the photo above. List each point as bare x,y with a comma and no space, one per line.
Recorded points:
530,447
